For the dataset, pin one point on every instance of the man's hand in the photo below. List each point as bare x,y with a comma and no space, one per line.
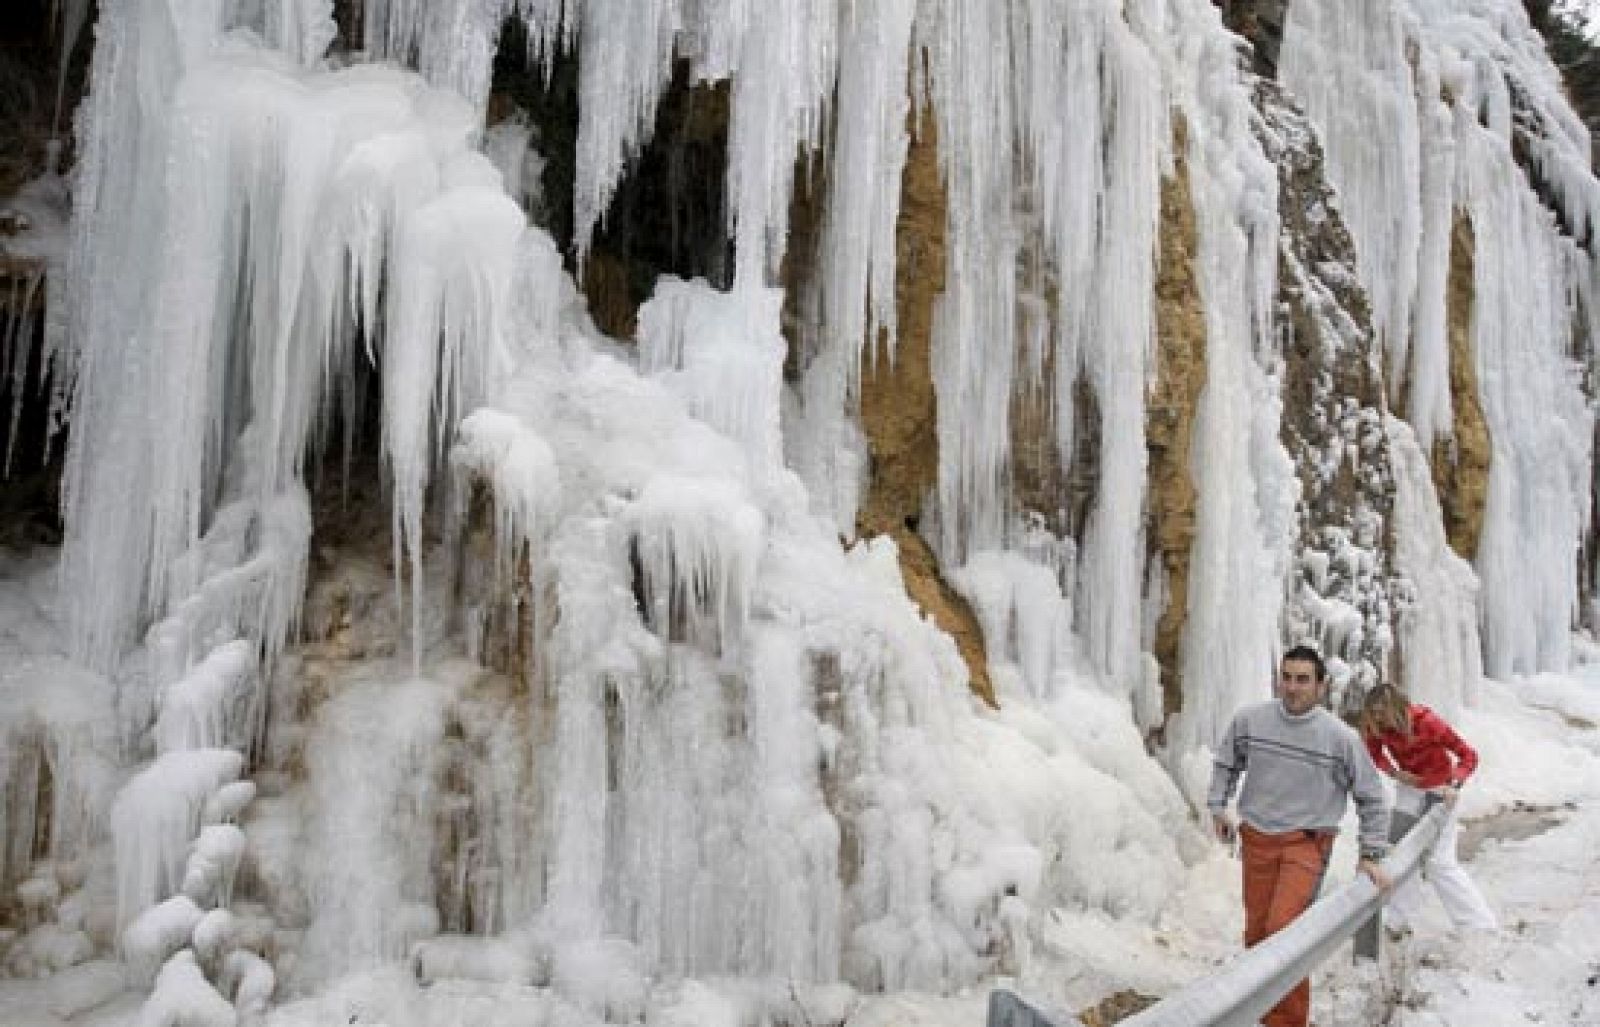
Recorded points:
1224,827
1375,872
1408,779
1448,795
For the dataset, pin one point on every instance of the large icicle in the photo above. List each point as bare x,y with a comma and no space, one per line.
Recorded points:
1347,64
626,63
1540,425
455,265
784,81
143,49
283,200
1438,623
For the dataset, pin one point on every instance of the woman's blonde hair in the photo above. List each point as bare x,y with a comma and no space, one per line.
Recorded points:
1384,710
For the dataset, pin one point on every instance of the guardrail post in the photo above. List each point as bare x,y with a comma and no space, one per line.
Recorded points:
1368,938
1007,1010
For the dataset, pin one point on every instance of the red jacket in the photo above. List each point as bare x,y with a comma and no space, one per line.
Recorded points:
1432,751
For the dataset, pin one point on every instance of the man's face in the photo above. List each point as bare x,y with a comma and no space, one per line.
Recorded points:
1298,685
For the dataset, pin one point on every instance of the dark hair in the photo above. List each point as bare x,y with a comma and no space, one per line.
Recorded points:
1306,654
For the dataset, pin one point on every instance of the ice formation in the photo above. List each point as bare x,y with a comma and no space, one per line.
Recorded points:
728,745
1422,113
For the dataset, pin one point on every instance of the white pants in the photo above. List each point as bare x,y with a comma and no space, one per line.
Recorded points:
1460,897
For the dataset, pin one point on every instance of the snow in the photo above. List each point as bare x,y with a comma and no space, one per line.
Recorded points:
157,933
251,981
182,997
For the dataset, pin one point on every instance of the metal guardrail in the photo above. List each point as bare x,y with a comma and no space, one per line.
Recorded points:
1253,982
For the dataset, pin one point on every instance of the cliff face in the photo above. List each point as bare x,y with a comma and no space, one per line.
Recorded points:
666,218
1333,409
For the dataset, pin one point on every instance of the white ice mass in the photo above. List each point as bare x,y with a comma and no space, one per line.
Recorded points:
610,716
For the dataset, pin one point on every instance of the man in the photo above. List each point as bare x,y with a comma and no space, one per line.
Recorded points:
1300,765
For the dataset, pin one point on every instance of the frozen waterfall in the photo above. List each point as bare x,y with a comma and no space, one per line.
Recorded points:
409,628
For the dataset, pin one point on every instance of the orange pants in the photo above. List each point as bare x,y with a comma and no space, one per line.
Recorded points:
1281,875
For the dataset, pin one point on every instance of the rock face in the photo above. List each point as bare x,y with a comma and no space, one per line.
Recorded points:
1333,409
667,214
1169,419
1461,462
1260,22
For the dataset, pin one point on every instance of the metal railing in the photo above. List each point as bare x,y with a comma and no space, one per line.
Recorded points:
1253,982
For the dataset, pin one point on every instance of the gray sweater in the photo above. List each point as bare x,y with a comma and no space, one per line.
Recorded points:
1300,771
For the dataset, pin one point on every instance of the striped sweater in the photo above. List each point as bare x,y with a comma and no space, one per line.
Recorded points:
1298,773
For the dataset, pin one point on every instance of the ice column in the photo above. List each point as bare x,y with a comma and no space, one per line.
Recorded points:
1347,64
1438,622
1244,479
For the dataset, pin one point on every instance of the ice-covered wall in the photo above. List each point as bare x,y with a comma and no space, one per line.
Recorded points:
1429,112
728,743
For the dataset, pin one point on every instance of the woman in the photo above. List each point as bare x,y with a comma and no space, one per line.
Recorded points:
1414,745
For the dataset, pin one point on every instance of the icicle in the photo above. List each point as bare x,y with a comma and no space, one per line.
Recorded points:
1540,425
698,544
1428,377
372,760
1347,64
723,353
71,15
786,77
455,263
156,816
794,897
1116,353
869,154
143,50
303,29
16,348
1438,622
972,371
208,707
853,303
452,42
626,63
523,480
586,666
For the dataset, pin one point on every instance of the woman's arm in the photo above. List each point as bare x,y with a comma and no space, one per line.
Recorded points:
1442,734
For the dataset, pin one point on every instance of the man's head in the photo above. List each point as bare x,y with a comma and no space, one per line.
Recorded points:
1302,677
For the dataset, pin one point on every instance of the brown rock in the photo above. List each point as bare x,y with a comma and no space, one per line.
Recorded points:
1115,1008
1170,411
1461,462
899,409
